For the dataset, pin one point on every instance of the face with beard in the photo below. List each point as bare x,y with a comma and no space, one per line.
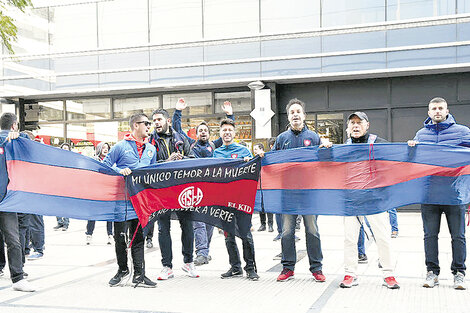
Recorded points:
438,111
160,123
202,133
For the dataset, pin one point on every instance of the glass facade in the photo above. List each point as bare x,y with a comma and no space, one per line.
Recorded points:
109,45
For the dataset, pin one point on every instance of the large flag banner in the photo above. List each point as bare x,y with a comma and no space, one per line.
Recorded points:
49,181
220,192
362,179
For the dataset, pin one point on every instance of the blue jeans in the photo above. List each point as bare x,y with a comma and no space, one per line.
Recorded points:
90,228
361,248
279,223
202,237
36,223
455,215
392,214
9,228
164,238
63,221
289,256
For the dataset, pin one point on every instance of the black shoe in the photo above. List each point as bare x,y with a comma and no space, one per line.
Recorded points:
143,281
64,228
270,228
117,279
57,227
149,243
362,258
232,273
251,275
25,275
262,228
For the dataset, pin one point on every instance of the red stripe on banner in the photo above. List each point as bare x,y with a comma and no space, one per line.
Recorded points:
65,182
349,175
238,194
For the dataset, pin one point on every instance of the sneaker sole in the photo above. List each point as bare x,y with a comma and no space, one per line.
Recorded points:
391,287
319,281
348,286
120,283
425,285
283,280
143,286
161,278
233,276
253,279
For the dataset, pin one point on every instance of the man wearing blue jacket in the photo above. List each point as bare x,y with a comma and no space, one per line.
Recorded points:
440,127
134,151
297,136
232,150
201,148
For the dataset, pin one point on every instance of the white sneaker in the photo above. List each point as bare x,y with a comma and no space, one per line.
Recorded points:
23,285
88,239
110,239
190,270
166,273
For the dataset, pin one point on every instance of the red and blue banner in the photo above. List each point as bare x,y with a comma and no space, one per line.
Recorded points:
363,179
220,192
49,181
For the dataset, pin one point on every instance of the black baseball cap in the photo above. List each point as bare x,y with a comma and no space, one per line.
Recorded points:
359,114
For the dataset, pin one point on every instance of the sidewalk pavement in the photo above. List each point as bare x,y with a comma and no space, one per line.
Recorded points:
73,277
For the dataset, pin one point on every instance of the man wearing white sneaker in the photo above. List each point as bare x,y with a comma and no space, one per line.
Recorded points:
9,220
440,128
357,129
172,146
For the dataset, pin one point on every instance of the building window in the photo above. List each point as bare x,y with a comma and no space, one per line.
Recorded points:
408,9
88,109
198,103
241,101
126,107
346,12
331,126
85,136
280,16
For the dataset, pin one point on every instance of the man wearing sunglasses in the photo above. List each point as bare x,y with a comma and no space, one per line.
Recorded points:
133,152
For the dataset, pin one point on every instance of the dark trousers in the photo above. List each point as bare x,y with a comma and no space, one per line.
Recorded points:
148,230
164,238
262,217
234,255
121,230
455,215
23,227
9,228
3,261
36,231
90,228
63,221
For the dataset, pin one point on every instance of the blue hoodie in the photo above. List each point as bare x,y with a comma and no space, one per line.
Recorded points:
124,154
291,139
446,132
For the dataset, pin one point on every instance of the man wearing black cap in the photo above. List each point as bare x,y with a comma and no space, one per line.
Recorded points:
357,130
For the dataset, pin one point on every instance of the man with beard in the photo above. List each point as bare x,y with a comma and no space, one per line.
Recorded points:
201,148
172,146
131,153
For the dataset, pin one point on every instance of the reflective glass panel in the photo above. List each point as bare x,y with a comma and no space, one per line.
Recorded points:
86,136
354,41
175,21
176,56
176,75
198,103
463,6
280,16
408,9
241,101
122,23
124,78
75,63
421,35
423,57
126,107
88,109
244,50
230,71
331,126
32,32
44,111
295,46
228,18
463,54
463,31
357,62
51,134
347,12
76,81
73,27
291,67
124,60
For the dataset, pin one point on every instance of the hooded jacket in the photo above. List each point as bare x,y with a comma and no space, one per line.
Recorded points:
446,132
166,144
124,154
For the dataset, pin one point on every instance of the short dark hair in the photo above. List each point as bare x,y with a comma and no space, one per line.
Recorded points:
7,120
162,112
271,141
134,118
203,123
260,145
227,121
438,100
295,101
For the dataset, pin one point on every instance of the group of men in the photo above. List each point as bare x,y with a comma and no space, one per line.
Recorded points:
168,142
